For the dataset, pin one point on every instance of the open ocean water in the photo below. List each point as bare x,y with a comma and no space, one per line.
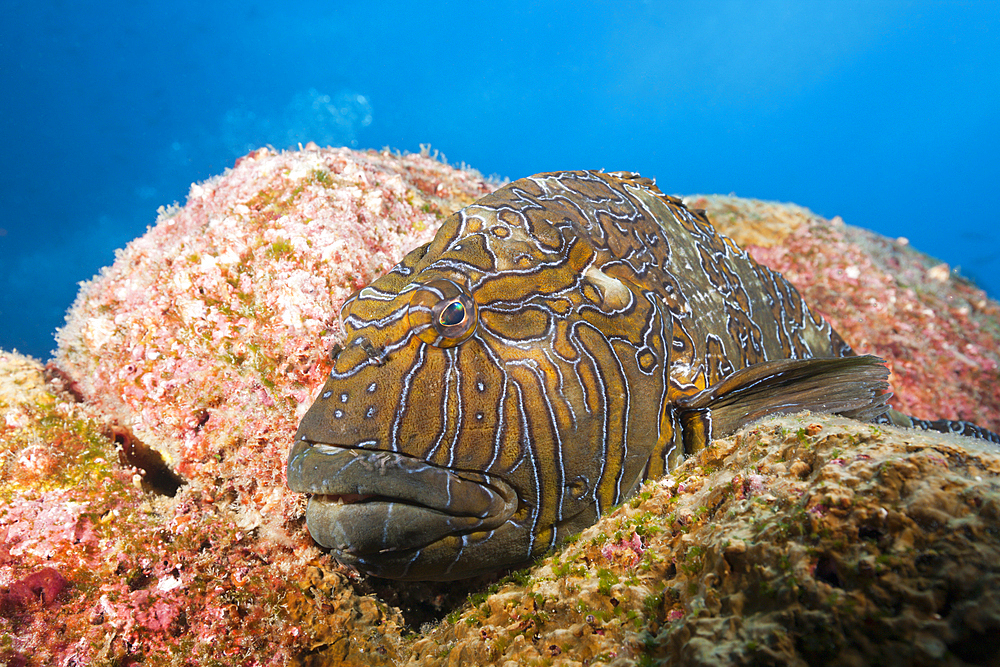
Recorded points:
885,113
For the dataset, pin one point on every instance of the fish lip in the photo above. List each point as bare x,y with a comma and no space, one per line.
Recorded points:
351,474
370,500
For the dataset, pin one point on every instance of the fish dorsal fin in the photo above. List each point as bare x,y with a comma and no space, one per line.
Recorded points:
855,387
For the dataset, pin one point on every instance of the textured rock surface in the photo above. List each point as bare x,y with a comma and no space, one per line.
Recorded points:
95,569
207,335
145,519
802,540
160,501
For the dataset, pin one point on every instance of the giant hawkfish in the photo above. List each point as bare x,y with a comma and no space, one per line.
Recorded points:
558,342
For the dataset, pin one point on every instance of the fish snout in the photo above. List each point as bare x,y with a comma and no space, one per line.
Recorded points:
370,504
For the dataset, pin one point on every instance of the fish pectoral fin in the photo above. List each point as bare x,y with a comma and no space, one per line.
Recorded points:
855,387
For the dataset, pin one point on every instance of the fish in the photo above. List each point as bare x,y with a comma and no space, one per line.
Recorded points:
557,343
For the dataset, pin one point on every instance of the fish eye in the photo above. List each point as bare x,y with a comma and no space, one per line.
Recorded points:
442,313
452,314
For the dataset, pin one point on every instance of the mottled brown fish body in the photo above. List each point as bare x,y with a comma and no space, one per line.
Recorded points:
558,342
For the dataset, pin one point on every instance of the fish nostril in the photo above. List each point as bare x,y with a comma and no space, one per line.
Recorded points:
377,355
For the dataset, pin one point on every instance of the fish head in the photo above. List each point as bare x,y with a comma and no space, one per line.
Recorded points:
474,416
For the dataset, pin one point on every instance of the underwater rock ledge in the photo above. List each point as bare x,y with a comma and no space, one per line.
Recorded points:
807,539
145,518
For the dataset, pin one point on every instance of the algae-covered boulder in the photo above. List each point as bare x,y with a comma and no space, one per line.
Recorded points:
145,519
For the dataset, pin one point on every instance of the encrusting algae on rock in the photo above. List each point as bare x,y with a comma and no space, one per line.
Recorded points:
215,322
95,571
806,539
193,356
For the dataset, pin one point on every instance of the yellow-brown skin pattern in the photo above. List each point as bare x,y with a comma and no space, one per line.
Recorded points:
592,304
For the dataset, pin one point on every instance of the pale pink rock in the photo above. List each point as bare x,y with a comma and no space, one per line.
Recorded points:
207,337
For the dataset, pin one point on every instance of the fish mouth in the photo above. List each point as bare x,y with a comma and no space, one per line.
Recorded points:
368,501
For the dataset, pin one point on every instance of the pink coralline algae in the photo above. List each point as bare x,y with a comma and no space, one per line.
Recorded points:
42,586
159,500
206,338
625,552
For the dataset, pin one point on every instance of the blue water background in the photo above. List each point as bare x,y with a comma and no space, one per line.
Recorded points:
885,113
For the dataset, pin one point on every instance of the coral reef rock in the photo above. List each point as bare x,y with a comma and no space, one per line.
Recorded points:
801,540
144,518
